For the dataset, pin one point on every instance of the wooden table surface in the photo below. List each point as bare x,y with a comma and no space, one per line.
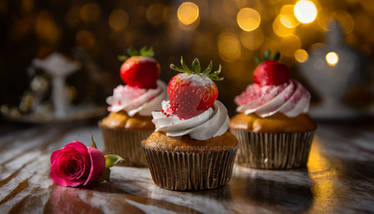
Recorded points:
339,179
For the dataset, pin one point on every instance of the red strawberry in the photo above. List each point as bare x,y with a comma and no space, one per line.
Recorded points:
140,70
271,72
192,92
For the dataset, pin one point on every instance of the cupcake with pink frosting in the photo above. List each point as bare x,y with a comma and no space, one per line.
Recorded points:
272,125
131,106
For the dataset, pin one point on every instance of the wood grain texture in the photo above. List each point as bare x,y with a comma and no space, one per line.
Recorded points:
339,179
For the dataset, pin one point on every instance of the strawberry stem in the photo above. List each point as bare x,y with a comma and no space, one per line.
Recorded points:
268,56
144,51
196,69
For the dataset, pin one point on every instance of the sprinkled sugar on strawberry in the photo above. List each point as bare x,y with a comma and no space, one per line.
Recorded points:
193,91
141,70
270,71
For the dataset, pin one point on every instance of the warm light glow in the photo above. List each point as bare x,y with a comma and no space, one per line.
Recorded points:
301,55
252,40
188,13
90,12
345,19
305,11
289,45
287,17
248,19
155,14
118,19
229,47
281,30
332,58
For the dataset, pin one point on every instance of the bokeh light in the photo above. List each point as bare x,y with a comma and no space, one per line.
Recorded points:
156,14
345,19
281,30
332,58
118,19
90,12
248,19
229,47
86,39
305,11
46,28
188,13
252,40
301,55
289,45
287,17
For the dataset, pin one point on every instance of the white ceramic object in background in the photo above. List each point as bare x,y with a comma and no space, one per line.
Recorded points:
59,67
332,82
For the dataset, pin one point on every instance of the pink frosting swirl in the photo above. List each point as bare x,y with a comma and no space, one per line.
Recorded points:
137,100
289,98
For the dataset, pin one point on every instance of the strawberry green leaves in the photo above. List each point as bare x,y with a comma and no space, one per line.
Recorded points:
196,69
144,51
268,56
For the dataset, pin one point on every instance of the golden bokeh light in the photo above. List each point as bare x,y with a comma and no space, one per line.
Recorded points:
86,39
345,19
281,30
286,16
248,19
155,13
289,45
188,13
90,12
301,55
305,11
46,28
252,40
118,19
229,47
332,58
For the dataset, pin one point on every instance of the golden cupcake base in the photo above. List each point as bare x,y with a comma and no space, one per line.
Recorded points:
126,143
273,150
190,171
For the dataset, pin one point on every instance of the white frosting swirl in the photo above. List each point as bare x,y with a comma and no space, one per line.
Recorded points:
211,123
137,100
290,98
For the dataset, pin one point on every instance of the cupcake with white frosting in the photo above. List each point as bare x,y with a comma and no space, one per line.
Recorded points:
131,106
272,125
191,148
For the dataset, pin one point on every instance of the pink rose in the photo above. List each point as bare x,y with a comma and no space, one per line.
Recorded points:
76,165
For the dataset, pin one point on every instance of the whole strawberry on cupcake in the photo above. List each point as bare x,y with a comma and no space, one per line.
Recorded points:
191,148
131,105
273,127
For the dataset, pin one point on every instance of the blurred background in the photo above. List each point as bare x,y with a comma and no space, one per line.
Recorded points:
327,44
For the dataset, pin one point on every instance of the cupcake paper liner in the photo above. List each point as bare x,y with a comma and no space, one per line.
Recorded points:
188,171
126,143
273,150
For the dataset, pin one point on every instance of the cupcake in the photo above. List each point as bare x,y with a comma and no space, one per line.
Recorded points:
272,125
130,108
191,148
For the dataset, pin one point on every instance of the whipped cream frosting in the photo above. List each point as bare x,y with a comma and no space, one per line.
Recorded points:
211,123
137,100
289,98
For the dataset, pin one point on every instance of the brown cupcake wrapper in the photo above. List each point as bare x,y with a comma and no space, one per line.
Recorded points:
273,150
189,171
126,143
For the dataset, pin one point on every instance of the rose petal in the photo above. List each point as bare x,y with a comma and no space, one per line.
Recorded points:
97,165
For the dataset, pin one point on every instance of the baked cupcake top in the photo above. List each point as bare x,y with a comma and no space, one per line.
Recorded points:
192,109
273,92
143,92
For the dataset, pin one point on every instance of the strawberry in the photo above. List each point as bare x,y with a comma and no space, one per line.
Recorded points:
140,70
193,91
270,71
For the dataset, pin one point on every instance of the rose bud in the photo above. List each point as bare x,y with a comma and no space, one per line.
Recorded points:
78,165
